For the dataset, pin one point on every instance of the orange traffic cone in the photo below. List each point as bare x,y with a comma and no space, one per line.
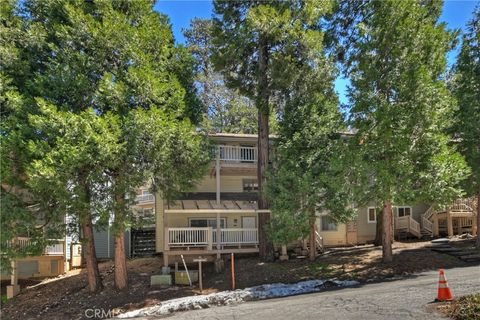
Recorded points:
444,292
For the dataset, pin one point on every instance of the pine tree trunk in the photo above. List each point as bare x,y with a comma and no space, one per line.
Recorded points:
93,273
90,255
121,276
378,229
265,247
313,244
477,244
387,232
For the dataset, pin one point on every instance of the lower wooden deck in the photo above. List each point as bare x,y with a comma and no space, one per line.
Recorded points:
171,256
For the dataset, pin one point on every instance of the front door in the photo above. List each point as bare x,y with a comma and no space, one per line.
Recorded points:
248,222
352,232
249,236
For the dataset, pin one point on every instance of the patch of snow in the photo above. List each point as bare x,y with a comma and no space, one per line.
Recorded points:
266,291
441,240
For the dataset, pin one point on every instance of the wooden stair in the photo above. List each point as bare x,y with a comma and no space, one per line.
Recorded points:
143,242
405,226
459,205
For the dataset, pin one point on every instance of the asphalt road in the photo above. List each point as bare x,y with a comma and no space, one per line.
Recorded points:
406,298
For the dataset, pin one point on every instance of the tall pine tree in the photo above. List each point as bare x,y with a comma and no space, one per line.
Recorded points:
227,110
86,60
466,87
258,47
311,175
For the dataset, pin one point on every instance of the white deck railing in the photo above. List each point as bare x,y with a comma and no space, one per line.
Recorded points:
186,237
147,197
429,213
238,236
427,224
207,237
409,224
56,248
237,153
463,205
414,226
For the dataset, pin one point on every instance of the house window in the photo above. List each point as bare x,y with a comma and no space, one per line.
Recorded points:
372,215
250,185
206,222
328,224
404,211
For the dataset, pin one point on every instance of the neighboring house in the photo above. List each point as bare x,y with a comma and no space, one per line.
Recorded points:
227,195
410,220
52,262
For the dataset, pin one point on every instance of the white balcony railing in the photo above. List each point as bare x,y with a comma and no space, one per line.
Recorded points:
463,205
144,198
207,237
56,248
408,224
236,236
185,237
239,236
427,224
237,153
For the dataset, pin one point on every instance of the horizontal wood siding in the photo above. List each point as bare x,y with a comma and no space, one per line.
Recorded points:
227,184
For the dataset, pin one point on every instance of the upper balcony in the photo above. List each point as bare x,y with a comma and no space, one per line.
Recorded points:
236,154
55,248
145,198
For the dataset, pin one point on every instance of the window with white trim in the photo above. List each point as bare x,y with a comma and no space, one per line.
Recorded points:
372,215
206,222
328,224
404,211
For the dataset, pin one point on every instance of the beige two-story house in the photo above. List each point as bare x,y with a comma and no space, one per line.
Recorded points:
221,216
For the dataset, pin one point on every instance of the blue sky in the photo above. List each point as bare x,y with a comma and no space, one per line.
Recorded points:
455,13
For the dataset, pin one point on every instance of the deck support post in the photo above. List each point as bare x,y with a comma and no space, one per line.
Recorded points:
217,174
210,239
449,224
165,228
165,259
219,234
13,289
284,255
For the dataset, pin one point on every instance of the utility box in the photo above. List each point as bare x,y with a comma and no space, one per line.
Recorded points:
161,280
182,278
76,255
